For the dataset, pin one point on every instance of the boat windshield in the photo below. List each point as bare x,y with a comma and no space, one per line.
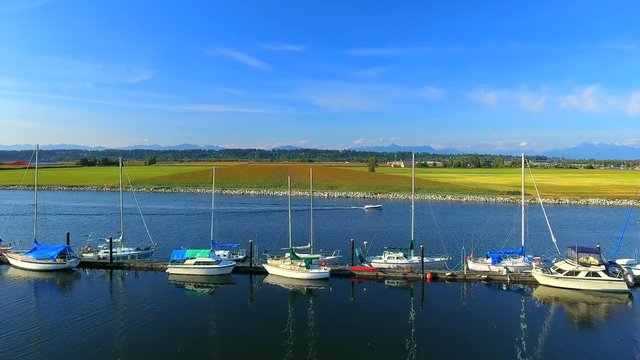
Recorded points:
585,256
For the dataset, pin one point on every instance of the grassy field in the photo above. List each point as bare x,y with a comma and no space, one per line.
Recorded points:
559,183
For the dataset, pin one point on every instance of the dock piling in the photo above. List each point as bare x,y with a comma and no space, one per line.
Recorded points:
68,238
352,252
422,261
250,253
110,250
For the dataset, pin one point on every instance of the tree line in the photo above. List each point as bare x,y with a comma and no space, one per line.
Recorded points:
109,157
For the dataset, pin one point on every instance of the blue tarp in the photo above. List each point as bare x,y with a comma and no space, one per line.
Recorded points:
46,251
184,254
223,246
497,256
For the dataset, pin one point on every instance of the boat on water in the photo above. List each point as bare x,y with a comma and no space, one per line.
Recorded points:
630,265
321,257
372,207
198,262
294,266
405,257
42,257
511,260
360,262
117,248
584,269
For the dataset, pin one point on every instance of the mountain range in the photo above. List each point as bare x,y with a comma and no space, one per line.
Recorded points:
600,151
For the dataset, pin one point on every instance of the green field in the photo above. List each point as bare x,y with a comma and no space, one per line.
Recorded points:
557,183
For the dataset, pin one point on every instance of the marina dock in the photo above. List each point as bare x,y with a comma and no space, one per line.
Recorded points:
342,271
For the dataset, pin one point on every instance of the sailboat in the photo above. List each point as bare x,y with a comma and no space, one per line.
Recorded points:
513,260
399,257
582,268
43,257
631,265
199,261
317,258
119,250
226,251
293,266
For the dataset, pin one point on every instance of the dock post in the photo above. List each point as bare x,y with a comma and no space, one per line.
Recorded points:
110,250
422,260
250,253
352,251
68,238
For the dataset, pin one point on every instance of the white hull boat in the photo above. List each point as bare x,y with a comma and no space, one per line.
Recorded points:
27,263
372,207
631,266
398,260
201,266
124,253
584,269
296,269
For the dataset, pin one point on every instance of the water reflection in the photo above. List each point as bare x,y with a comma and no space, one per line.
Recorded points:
410,344
62,280
199,284
307,289
585,308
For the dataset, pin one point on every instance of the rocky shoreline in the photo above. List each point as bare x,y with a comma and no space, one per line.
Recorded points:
346,195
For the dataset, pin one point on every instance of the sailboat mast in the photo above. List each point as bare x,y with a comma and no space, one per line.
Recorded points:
289,206
413,186
121,205
311,209
213,201
35,198
522,201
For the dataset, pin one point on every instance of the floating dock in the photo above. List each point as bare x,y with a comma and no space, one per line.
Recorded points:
336,271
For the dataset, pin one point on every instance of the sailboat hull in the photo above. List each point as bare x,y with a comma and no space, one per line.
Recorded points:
126,254
512,265
223,268
390,261
28,263
294,271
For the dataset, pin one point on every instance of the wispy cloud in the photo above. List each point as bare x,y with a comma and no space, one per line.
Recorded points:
588,99
240,57
283,47
202,108
531,102
342,100
486,97
432,93
86,72
632,107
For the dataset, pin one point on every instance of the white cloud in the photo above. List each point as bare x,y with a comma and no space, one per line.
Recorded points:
283,47
486,97
632,107
523,144
359,141
432,93
588,99
531,102
240,57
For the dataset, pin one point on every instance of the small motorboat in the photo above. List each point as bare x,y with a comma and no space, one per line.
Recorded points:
372,207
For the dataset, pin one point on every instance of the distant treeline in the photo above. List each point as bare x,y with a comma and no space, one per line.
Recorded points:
109,157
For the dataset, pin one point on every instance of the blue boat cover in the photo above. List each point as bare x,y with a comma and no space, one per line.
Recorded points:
215,245
497,256
184,254
46,251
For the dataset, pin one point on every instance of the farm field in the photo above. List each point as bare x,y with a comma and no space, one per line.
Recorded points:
556,183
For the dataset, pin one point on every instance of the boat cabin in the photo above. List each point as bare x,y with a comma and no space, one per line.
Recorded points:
585,256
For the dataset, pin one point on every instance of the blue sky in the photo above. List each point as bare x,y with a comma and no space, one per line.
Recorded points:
477,75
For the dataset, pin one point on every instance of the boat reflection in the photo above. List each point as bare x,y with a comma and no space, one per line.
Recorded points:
584,308
62,279
298,285
201,284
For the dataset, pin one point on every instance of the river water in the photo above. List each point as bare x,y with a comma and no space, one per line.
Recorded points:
146,315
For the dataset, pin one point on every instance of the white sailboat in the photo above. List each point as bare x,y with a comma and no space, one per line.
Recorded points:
200,261
42,257
631,265
293,266
226,251
119,250
513,260
330,258
400,258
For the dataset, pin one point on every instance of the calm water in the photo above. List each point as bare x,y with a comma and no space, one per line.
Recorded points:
129,315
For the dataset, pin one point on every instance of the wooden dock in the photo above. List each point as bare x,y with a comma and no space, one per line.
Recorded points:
336,271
